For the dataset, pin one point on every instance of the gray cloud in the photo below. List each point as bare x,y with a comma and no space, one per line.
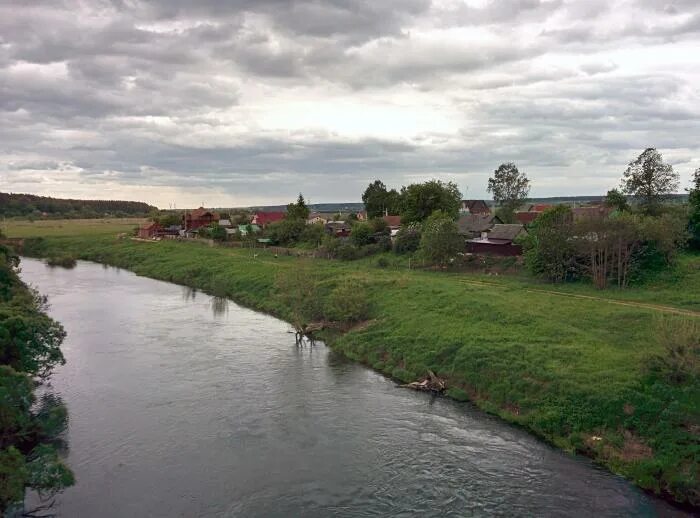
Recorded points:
249,100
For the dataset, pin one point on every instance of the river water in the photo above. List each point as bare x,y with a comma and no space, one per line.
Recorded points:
184,405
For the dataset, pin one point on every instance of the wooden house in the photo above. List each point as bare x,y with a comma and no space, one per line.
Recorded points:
498,241
201,217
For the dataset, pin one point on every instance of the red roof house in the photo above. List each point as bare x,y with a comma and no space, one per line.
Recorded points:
393,222
149,230
525,218
263,219
198,218
475,207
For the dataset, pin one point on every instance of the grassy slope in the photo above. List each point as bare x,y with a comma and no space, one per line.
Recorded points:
570,370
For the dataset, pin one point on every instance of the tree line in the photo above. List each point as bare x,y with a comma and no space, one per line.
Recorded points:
29,350
32,206
637,239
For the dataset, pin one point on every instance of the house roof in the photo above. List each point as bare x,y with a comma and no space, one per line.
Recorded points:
149,225
244,227
506,232
392,221
225,222
201,212
471,223
263,218
526,217
540,207
476,206
338,225
598,211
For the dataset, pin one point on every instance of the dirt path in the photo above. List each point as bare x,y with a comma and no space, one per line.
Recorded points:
641,305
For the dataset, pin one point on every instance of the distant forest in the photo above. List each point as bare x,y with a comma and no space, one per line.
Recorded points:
31,206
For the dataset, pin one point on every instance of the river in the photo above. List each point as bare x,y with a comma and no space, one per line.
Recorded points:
184,405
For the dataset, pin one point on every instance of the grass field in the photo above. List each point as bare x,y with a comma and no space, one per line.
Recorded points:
68,227
578,372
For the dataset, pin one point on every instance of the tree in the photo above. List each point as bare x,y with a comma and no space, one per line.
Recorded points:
298,210
548,247
407,239
361,234
510,189
440,239
378,200
694,211
649,179
420,200
616,200
287,231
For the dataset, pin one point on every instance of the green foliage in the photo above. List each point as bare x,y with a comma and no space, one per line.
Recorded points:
420,200
362,234
14,477
649,180
347,303
548,248
23,205
679,339
312,235
217,232
298,210
407,239
287,231
616,200
168,219
510,189
440,240
298,292
29,347
694,211
378,200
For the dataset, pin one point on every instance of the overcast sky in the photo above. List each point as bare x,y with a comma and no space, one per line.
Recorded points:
232,103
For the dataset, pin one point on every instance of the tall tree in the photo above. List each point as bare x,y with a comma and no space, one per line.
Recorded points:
510,189
298,210
420,200
440,239
694,211
649,179
378,200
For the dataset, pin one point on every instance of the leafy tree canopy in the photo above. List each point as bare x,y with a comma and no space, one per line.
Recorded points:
298,210
440,239
420,200
378,200
510,189
615,199
649,179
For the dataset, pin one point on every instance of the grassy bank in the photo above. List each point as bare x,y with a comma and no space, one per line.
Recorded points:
68,227
581,373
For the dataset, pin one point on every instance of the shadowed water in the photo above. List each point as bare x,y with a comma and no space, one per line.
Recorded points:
187,405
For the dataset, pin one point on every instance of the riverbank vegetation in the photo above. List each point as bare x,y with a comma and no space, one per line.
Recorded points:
589,371
29,350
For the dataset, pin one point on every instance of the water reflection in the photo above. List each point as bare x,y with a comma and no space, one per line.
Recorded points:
188,294
219,306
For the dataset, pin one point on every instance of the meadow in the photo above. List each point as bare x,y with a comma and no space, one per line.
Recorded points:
588,371
14,228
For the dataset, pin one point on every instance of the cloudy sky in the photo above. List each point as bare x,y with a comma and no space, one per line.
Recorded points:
242,102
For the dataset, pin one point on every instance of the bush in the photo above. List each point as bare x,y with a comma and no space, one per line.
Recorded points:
407,240
383,262
680,340
346,252
347,303
440,241
362,234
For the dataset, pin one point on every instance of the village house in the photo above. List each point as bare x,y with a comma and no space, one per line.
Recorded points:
393,222
318,217
338,228
149,230
263,218
196,219
591,212
226,223
474,207
498,241
472,225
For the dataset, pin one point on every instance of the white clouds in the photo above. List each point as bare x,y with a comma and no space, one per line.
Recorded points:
249,102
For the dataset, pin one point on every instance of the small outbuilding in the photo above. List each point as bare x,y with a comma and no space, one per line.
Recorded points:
500,240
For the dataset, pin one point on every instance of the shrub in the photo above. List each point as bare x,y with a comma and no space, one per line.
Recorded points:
347,303
407,240
680,340
383,262
346,252
440,241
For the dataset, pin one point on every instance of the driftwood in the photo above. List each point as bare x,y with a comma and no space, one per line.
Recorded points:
431,383
307,332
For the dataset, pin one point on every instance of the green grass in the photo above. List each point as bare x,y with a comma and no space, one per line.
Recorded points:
574,371
68,227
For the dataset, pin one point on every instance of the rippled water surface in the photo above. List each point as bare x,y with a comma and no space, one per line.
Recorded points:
185,405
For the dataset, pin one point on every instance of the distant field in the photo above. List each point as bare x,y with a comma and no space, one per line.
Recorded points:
68,227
